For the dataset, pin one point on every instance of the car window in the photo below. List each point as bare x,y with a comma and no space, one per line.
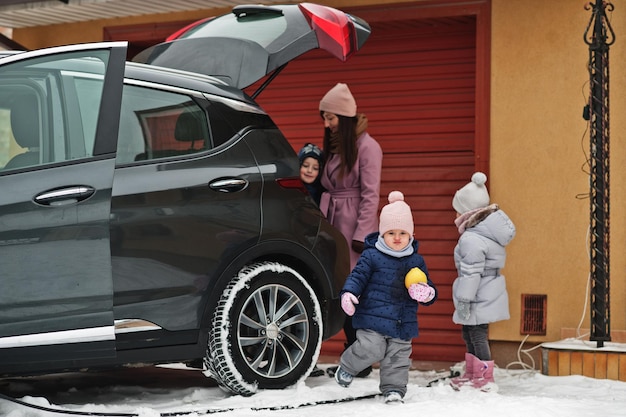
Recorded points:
158,124
230,118
262,28
49,112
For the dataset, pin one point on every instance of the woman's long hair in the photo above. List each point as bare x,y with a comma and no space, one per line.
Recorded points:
344,144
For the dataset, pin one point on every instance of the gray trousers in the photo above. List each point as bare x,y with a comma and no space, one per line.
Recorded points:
394,356
477,341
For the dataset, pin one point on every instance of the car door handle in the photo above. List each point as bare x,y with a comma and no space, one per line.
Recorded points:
228,185
64,196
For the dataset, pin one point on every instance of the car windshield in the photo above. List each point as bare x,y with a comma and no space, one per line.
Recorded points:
254,27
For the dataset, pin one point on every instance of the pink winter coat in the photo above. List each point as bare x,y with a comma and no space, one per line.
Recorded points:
351,203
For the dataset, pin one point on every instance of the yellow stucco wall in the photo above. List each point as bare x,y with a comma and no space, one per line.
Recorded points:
539,145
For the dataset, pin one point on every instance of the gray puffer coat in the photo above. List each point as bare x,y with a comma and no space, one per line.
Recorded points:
479,256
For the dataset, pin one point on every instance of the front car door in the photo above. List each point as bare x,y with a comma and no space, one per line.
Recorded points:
59,113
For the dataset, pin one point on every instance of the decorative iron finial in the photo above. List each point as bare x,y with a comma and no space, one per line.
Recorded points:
602,32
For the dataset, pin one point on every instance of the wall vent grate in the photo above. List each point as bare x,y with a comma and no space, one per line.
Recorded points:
534,314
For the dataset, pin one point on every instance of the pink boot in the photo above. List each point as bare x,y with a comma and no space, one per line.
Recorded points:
478,374
459,381
483,377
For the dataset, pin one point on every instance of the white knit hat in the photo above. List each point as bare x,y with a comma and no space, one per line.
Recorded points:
473,195
396,215
339,100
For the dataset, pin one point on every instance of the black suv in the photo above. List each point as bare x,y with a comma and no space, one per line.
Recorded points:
152,212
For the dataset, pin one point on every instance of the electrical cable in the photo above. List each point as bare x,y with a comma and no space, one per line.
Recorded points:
520,362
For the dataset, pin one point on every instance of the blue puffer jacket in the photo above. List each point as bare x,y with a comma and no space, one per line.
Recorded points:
384,302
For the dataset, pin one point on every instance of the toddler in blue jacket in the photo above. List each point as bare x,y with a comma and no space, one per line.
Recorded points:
383,307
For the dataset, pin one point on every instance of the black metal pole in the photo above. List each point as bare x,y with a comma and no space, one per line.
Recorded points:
599,35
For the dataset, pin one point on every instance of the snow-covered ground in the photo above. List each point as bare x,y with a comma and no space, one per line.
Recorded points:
175,391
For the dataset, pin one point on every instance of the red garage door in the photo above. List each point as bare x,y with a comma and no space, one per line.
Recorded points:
415,80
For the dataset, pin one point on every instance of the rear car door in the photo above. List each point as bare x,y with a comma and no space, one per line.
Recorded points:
186,201
59,115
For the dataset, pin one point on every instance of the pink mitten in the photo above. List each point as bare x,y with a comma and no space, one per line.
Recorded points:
348,300
421,292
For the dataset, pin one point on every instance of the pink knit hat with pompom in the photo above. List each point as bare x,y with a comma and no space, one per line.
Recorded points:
396,215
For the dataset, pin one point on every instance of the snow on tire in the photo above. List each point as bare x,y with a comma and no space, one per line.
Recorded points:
266,330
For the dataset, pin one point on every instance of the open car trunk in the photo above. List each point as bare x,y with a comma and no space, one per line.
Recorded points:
253,41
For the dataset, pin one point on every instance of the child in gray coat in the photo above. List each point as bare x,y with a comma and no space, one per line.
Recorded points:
383,301
479,291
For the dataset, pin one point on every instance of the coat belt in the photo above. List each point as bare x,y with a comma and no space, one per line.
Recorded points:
342,193
494,272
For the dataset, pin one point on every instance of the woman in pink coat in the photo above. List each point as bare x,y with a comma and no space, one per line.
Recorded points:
351,175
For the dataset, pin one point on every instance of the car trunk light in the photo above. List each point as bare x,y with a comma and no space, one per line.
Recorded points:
292,183
334,30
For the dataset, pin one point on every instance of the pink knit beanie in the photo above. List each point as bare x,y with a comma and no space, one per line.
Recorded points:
339,101
396,215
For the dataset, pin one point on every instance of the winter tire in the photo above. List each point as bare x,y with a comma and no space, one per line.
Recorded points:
266,331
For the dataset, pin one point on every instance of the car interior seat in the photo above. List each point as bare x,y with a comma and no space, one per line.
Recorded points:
26,130
191,127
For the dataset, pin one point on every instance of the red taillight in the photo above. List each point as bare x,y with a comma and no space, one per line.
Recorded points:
335,32
292,183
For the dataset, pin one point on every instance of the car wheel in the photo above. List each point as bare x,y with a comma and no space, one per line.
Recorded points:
266,331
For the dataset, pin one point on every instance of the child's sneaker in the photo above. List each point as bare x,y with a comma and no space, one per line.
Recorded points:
342,377
363,374
393,397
